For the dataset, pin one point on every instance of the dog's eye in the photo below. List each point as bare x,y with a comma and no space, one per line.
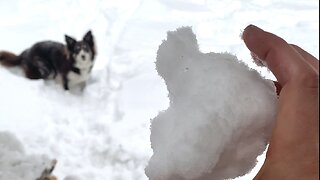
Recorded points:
77,48
85,47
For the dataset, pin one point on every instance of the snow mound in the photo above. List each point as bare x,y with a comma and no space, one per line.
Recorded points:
220,116
14,163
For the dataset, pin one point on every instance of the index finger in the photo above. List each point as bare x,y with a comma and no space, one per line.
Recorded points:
282,60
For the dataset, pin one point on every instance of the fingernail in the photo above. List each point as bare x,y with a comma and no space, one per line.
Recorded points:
248,32
252,26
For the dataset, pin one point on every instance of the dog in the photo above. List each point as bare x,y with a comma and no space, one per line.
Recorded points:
69,63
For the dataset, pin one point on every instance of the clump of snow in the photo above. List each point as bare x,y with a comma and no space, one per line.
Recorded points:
15,164
220,116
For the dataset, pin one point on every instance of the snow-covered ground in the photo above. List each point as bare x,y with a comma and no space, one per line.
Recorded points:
103,133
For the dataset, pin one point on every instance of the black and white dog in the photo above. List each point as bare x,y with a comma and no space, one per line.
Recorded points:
72,63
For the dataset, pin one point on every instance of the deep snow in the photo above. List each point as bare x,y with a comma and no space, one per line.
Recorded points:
104,132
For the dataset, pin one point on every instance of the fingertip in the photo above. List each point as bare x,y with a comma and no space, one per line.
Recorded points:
250,32
281,58
252,37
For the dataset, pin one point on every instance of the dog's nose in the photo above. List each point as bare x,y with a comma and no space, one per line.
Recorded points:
83,57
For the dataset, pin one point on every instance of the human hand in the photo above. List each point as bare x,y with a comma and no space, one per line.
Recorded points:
293,152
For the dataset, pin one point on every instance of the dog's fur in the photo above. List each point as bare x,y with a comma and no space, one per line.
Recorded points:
72,62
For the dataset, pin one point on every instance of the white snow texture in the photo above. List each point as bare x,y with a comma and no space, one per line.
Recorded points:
15,164
220,116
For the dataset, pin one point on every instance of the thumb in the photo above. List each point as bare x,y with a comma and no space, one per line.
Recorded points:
281,58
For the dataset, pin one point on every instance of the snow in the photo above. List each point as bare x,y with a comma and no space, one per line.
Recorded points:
220,116
15,163
104,132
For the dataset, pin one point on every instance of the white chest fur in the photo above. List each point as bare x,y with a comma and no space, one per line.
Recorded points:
84,63
77,78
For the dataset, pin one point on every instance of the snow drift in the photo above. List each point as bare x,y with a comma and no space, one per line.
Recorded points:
220,116
15,164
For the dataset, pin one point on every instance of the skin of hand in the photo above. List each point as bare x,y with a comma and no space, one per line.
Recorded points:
293,152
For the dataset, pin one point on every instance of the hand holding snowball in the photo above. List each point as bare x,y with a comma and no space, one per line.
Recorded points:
293,152
220,116
222,113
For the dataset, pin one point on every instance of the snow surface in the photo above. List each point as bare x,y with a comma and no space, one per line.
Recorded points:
15,163
104,132
220,116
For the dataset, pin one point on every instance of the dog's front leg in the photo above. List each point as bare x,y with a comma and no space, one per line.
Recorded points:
65,82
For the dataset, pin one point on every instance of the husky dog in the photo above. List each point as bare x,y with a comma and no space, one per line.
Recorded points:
72,63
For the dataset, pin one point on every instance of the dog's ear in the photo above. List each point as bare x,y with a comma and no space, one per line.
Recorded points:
88,38
70,42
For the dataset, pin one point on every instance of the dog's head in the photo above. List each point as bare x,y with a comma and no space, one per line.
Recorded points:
83,52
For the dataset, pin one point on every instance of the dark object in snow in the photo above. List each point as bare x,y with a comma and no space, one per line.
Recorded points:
70,63
47,172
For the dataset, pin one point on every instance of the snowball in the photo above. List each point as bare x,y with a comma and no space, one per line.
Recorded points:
220,116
